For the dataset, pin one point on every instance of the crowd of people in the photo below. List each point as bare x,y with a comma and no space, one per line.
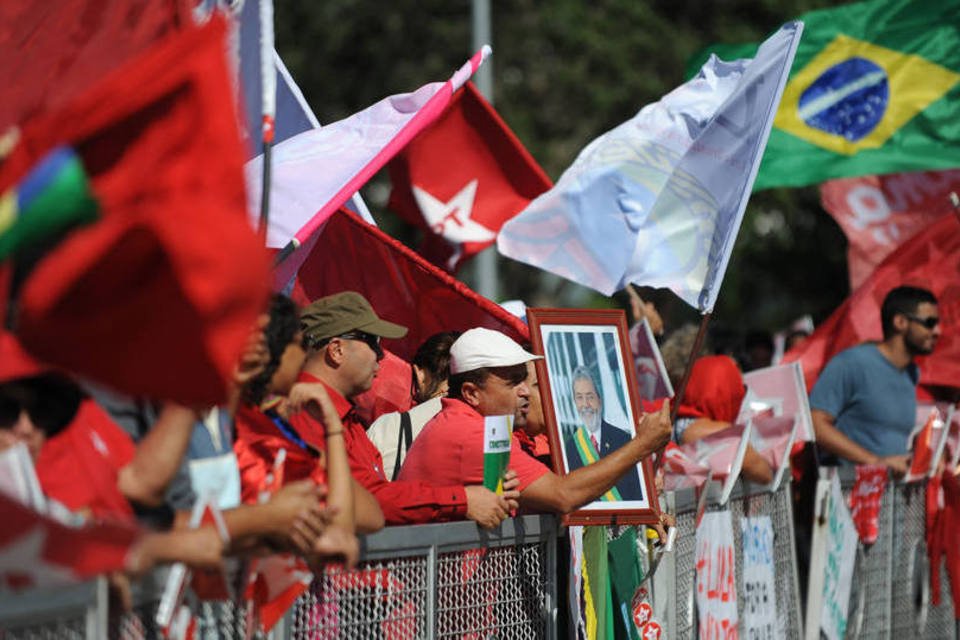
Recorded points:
294,468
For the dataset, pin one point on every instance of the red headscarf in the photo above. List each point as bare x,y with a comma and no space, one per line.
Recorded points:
715,390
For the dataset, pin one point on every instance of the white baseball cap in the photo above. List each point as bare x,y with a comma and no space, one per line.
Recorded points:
478,348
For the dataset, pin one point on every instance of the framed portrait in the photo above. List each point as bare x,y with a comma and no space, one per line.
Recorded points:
589,392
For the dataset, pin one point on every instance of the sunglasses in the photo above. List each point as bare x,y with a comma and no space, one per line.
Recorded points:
372,341
930,322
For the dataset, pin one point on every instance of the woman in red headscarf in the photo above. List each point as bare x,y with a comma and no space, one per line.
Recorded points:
711,403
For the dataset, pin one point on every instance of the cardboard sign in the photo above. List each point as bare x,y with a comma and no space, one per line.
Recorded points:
497,433
759,582
716,590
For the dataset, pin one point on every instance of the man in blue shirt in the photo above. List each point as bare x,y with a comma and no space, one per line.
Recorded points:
864,403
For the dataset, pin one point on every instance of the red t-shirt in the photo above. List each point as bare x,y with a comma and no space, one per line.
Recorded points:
257,444
449,449
79,467
402,502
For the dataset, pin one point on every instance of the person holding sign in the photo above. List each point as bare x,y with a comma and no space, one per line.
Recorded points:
488,377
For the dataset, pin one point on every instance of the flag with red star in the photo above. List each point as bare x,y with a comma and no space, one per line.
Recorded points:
462,178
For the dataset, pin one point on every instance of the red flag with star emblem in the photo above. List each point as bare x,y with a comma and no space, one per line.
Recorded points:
931,259
462,178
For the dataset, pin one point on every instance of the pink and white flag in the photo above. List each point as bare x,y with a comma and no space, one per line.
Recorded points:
778,391
718,455
317,171
772,437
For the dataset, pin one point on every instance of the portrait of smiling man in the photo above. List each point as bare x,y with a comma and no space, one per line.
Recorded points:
595,438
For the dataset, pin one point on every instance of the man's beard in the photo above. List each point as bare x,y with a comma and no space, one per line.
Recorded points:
591,419
916,347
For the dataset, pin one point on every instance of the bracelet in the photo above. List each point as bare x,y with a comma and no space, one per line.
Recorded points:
334,433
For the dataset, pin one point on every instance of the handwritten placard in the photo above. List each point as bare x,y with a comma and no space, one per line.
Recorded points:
841,553
716,577
759,582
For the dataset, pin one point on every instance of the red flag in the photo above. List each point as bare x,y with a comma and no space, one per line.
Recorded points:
931,259
157,296
37,551
865,499
462,178
400,285
879,213
52,51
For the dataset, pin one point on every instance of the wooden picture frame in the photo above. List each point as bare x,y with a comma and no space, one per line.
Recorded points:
574,343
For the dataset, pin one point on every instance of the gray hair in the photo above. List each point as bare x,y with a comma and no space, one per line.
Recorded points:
582,372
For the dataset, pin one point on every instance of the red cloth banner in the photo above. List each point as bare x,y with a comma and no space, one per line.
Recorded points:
931,259
879,213
157,297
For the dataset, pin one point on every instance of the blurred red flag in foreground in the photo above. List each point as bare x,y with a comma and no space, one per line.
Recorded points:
157,296
52,51
462,178
931,259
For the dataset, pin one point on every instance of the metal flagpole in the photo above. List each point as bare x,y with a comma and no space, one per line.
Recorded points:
268,86
697,345
486,265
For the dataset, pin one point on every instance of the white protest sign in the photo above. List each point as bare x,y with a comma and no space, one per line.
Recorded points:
832,557
716,577
759,584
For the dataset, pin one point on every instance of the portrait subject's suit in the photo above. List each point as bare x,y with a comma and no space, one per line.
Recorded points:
611,439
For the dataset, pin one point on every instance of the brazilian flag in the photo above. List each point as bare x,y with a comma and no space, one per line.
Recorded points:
874,89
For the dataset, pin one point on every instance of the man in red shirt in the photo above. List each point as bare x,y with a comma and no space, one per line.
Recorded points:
488,377
342,334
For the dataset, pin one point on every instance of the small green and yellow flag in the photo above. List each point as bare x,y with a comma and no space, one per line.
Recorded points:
497,435
874,89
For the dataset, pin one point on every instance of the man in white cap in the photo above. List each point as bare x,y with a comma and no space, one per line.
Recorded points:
488,376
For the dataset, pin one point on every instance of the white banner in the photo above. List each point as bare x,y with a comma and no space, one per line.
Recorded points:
759,582
716,577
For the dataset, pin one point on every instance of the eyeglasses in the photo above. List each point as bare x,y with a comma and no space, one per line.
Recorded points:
930,322
372,341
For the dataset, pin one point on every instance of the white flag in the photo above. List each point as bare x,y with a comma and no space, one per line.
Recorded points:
658,200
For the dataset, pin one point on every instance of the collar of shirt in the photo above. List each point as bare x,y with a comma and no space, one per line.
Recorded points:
341,404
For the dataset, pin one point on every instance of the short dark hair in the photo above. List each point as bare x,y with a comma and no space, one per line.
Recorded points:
50,399
279,333
514,374
433,356
902,301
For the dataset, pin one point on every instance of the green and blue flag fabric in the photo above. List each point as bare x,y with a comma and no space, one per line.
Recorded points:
51,199
874,89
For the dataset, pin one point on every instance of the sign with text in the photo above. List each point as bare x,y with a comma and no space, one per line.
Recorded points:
759,584
716,577
832,557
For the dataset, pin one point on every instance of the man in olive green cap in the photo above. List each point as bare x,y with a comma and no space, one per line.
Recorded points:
342,335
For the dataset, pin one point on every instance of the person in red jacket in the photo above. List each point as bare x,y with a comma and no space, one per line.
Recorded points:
342,334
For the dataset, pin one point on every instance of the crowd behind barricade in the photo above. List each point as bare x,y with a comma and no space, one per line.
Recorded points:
292,468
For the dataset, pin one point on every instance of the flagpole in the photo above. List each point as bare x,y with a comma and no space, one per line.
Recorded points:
694,353
486,268
268,84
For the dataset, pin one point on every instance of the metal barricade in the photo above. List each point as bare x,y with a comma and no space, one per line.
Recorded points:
450,580
439,581
869,611
745,500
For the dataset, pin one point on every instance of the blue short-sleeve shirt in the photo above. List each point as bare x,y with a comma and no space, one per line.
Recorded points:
873,402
